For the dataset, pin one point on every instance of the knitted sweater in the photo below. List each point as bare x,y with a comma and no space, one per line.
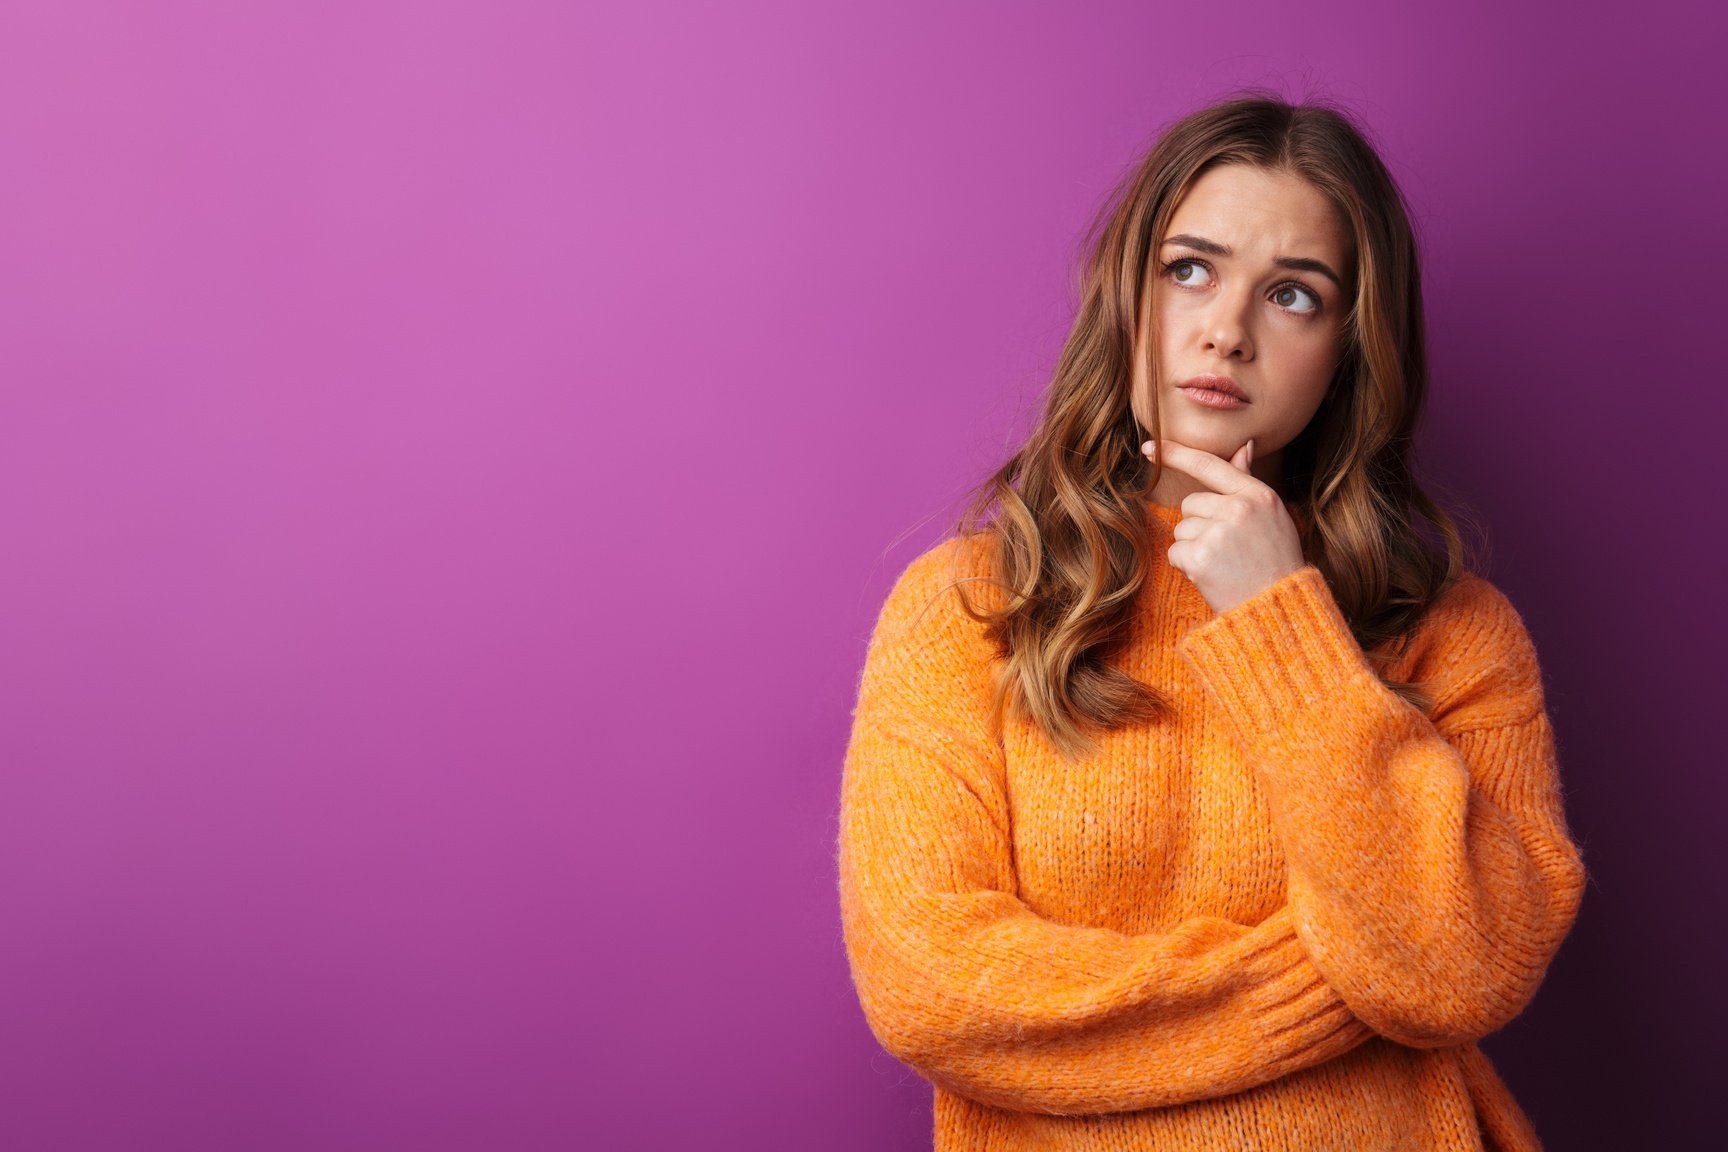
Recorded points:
1279,919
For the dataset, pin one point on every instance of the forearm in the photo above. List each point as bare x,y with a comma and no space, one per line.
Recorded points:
998,1005
1431,875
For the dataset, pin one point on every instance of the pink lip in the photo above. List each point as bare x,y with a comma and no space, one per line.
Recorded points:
1214,383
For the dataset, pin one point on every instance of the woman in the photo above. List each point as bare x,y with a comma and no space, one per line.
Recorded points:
1194,800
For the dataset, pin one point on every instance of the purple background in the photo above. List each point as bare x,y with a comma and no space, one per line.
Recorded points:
453,454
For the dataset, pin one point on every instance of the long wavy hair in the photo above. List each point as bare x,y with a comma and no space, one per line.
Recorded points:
1066,515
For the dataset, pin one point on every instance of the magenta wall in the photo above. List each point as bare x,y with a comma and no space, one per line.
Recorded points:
451,455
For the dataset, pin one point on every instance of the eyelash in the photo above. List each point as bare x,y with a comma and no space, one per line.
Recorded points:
1319,304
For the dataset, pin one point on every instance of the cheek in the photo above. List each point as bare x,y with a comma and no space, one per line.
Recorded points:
1173,327
1308,360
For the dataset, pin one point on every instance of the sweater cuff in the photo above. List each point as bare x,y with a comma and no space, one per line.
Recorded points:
1294,1007
1283,651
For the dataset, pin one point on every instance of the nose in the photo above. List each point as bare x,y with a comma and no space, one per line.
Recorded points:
1225,332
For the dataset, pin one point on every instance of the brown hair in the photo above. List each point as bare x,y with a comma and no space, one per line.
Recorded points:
1069,535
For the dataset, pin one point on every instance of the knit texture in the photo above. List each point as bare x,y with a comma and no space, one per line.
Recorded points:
1280,918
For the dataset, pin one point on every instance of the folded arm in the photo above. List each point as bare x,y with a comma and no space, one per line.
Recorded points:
961,980
1432,877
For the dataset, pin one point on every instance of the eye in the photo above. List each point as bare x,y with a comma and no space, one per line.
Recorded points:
1182,271
1286,296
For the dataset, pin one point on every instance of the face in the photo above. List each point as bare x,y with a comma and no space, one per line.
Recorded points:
1251,282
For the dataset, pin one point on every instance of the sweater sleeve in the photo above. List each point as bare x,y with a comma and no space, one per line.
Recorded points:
961,980
1431,874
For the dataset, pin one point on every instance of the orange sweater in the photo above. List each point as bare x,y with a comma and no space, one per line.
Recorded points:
1278,920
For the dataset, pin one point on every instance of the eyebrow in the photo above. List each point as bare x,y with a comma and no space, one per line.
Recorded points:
1213,248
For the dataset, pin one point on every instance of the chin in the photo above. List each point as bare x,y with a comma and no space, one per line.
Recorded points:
1219,443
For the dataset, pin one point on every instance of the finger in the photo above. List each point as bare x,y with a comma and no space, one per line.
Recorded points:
1243,457
1202,504
1213,471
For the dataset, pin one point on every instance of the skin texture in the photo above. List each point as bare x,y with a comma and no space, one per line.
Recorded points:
1276,331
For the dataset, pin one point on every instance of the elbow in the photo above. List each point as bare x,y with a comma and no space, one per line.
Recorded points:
1443,1022
938,1055
978,1064
923,1042
909,1010
1460,998
906,1036
909,1027
1474,987
1440,1005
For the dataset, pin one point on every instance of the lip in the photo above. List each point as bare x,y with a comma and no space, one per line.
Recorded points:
1207,398
1210,382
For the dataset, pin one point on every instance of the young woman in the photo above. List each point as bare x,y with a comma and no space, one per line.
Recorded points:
1193,799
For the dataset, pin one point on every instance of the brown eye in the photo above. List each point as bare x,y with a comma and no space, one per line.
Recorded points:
1288,295
1183,271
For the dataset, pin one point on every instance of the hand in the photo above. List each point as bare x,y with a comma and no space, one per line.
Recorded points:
1236,540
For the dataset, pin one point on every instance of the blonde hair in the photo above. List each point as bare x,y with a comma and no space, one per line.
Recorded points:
1068,534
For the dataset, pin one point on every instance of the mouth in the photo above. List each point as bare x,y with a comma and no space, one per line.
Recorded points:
1210,382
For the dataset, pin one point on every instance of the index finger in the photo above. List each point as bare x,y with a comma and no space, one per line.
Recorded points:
1213,471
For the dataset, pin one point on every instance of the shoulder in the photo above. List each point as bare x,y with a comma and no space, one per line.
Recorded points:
1476,655
1472,611
926,607
952,559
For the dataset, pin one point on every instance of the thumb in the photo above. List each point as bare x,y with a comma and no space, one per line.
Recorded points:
1244,456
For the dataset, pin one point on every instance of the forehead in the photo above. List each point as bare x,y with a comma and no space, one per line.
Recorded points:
1263,214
